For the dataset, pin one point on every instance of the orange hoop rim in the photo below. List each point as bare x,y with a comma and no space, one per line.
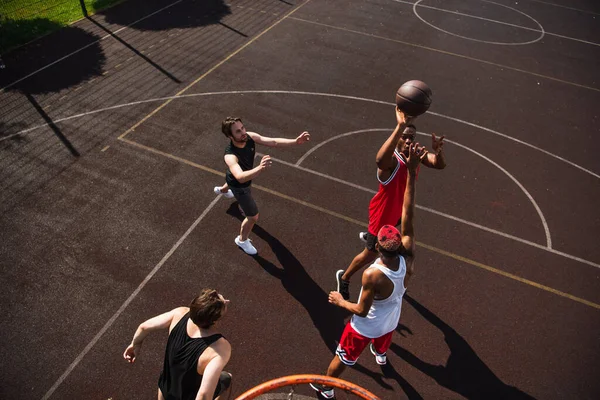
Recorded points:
304,379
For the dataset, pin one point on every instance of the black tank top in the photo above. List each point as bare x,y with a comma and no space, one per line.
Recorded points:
179,379
245,156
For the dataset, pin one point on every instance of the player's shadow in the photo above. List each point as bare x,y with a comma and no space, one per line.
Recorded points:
327,318
185,14
464,373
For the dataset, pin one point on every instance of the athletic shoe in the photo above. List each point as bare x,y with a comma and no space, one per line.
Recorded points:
323,392
246,245
363,236
379,359
342,285
228,194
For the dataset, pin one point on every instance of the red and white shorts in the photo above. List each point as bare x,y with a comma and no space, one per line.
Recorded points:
353,343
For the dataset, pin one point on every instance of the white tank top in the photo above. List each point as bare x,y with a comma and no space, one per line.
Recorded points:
384,315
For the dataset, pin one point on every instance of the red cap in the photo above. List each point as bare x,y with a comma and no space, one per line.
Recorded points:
389,238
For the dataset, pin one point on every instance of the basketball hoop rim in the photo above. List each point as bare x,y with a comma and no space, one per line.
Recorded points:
305,379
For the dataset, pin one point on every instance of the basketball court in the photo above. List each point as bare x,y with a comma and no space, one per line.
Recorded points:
110,147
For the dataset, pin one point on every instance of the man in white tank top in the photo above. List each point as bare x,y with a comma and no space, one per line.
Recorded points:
377,312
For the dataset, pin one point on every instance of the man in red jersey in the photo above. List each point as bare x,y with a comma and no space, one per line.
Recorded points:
385,207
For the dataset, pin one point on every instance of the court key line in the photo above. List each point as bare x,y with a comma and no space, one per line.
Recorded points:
362,224
126,303
445,52
495,164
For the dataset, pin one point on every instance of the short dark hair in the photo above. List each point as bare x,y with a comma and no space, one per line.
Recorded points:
411,126
207,308
226,125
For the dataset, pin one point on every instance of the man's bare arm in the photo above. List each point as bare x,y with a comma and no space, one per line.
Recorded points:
212,371
245,176
366,299
385,156
279,142
415,156
162,321
435,158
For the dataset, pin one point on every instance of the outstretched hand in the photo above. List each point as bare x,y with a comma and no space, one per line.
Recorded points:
131,353
303,138
402,118
437,143
416,154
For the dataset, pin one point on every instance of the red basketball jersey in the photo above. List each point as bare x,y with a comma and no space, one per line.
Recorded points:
385,207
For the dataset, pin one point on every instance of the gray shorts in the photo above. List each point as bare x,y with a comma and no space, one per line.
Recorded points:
245,200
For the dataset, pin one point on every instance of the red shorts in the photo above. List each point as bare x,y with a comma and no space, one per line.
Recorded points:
353,343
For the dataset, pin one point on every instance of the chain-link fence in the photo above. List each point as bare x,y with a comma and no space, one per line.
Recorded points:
24,20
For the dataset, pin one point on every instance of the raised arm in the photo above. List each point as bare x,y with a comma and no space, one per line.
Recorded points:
162,321
245,176
416,154
279,142
385,156
366,298
212,371
435,158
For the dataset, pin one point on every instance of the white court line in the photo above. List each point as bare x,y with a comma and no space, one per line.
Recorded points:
86,46
498,22
568,8
341,96
415,6
527,194
506,235
127,302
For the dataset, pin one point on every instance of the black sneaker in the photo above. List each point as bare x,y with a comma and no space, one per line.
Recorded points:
323,392
342,285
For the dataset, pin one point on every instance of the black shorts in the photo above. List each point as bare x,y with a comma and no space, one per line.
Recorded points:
371,241
223,385
245,200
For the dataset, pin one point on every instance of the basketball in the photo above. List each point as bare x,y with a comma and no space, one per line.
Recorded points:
413,98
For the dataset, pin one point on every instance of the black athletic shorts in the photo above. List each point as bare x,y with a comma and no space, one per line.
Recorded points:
245,200
223,385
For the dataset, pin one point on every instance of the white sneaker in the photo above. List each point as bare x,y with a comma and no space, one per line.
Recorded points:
363,236
228,194
379,359
246,245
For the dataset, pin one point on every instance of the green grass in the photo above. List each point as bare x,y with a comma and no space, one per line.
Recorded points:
22,21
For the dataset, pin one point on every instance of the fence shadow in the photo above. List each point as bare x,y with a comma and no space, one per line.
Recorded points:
184,14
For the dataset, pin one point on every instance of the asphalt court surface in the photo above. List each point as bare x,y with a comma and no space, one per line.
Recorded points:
476,323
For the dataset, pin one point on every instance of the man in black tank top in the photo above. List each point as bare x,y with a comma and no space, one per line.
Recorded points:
239,157
196,352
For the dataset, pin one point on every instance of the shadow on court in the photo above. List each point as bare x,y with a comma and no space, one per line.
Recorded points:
464,373
327,318
187,14
25,102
